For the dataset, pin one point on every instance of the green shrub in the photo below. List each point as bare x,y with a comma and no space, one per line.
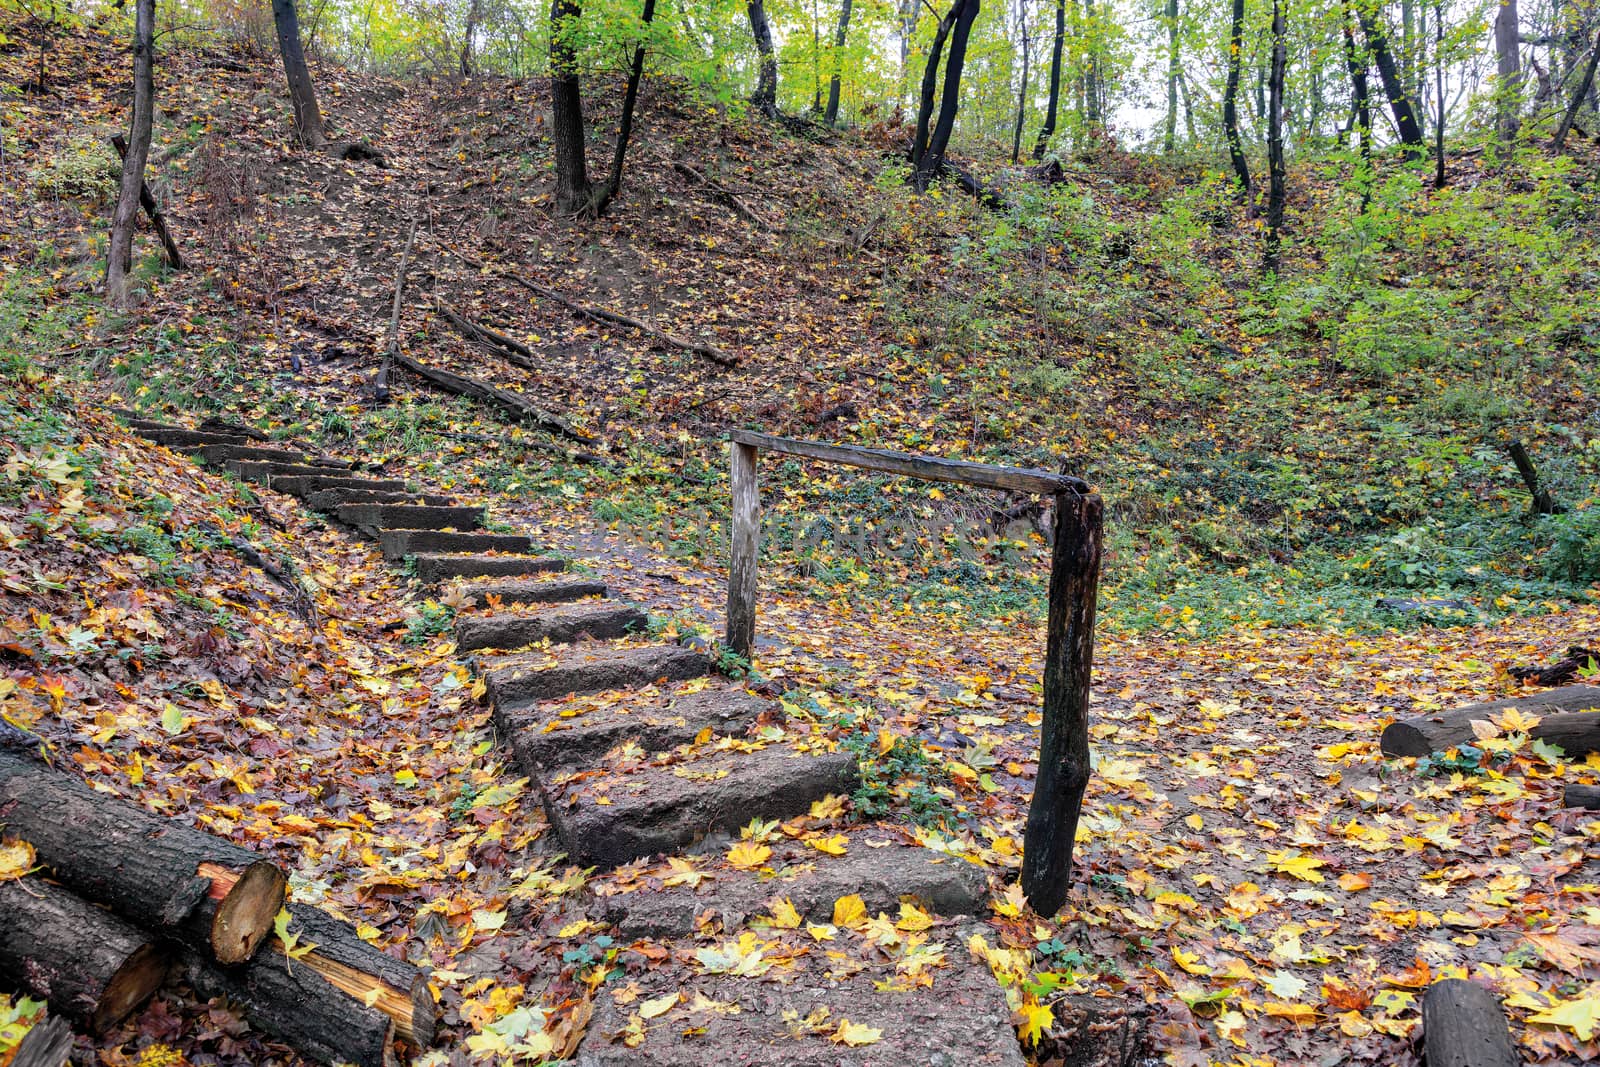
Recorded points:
1574,554
84,167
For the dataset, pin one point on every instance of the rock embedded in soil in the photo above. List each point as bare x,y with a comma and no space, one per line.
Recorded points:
587,668
609,819
562,624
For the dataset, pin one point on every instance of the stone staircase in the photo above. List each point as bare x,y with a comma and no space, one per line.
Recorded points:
640,749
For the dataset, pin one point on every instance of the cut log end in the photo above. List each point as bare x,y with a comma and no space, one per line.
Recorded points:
134,982
246,912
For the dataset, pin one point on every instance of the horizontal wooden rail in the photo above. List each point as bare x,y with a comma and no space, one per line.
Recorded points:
927,468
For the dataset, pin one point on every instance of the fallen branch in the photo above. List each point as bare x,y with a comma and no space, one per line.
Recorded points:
148,202
1581,796
46,1044
599,314
728,197
1543,503
1558,673
303,606
507,348
514,403
391,348
1566,719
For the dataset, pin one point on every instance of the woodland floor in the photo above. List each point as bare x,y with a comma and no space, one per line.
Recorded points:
1249,863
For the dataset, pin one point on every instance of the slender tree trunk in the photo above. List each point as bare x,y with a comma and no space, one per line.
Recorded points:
1230,98
1022,95
1169,141
1508,70
766,94
573,192
1188,108
119,260
1091,70
630,99
1356,62
1559,141
1439,177
1276,170
930,89
466,39
1048,130
1405,115
910,11
1409,71
302,93
831,115
950,100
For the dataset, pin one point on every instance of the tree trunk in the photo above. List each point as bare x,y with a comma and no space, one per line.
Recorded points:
1091,70
152,210
1463,1025
466,39
766,94
157,873
1559,141
1581,796
1405,115
1169,140
302,93
1568,718
1438,91
573,192
1048,130
1356,62
950,99
1508,70
630,99
930,88
831,115
87,963
119,259
1230,98
1022,94
1277,176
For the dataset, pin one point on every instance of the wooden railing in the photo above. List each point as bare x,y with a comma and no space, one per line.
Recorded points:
1069,632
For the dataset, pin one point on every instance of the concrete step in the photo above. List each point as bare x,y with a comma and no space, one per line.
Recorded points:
265,473
397,544
877,866
608,818
178,437
371,518
549,736
304,485
222,455
520,679
507,592
435,567
789,1015
568,622
331,500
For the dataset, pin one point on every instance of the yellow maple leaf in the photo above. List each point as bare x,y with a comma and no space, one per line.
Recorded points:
850,912
16,859
829,807
821,933
1189,961
1011,902
913,918
649,1009
833,846
1581,1016
1516,721
784,915
1032,1020
683,873
747,855
854,1034
1295,864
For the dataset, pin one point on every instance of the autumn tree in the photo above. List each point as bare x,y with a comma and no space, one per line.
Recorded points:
1022,93
1230,98
1394,89
830,116
302,93
1508,69
765,97
1169,137
1356,63
119,260
1276,170
928,152
1053,103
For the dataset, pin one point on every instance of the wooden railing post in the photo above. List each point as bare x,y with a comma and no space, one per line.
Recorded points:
1064,736
746,547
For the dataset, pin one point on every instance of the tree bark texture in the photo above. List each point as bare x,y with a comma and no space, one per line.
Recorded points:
830,116
1355,61
1508,70
1463,1025
1053,102
1022,94
950,99
119,259
1581,93
566,106
1405,115
765,98
1064,739
930,89
1169,137
152,210
630,101
1569,718
87,963
1277,176
302,92
1230,98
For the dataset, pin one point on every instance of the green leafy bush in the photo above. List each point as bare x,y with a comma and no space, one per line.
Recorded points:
84,167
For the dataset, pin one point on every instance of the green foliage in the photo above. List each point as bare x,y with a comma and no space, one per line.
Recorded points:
82,167
431,619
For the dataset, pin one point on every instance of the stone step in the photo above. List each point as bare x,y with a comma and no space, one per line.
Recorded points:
332,499
959,1019
398,544
876,866
304,485
372,518
222,455
610,818
435,567
547,591
263,473
560,625
178,437
550,736
520,679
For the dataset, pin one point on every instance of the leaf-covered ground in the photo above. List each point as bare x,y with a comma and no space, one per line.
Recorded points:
1249,863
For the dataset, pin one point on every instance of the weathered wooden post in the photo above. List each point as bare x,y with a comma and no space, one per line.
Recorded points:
746,547
1064,736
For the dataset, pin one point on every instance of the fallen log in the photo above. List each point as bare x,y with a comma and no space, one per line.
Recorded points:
148,202
728,197
296,1005
1559,672
391,347
85,962
1463,1025
1566,715
157,873
513,403
46,1044
507,348
1581,796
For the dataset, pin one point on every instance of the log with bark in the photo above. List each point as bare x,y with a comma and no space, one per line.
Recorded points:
84,961
515,404
1577,658
46,1044
1567,718
727,197
1581,796
507,348
157,873
1463,1025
